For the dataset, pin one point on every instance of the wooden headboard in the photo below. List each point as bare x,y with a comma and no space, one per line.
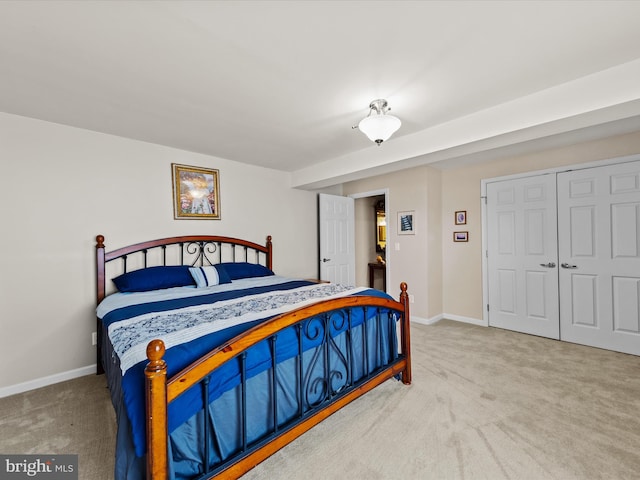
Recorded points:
193,250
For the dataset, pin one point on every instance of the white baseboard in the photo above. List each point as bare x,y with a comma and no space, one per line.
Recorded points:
448,316
426,321
460,318
45,381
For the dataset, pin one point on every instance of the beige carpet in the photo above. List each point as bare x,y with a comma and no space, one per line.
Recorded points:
485,404
74,417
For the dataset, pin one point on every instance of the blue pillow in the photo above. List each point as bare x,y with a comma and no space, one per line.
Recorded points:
209,276
237,270
154,278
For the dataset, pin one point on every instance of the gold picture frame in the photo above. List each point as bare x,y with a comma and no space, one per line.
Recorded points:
196,192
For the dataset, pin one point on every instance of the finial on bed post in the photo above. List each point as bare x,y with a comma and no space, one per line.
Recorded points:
156,397
269,253
406,334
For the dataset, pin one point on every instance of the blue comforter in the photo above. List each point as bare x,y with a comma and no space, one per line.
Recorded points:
193,324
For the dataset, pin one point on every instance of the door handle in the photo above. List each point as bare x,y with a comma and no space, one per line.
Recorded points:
324,260
548,265
566,265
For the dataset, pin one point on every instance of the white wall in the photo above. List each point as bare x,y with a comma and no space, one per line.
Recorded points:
409,262
62,186
365,243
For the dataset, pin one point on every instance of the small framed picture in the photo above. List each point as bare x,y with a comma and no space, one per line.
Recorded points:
196,192
406,223
460,236
461,217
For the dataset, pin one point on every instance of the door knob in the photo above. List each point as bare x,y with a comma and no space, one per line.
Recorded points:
324,260
548,265
566,265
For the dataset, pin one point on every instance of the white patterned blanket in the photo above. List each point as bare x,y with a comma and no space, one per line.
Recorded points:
180,325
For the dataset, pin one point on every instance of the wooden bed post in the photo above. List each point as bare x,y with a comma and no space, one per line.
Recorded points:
406,334
156,395
100,293
100,271
269,253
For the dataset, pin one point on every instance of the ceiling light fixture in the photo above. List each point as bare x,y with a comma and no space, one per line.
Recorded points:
379,126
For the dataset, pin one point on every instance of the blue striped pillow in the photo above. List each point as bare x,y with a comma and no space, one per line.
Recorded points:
209,275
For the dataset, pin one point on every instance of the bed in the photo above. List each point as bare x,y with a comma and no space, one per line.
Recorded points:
214,362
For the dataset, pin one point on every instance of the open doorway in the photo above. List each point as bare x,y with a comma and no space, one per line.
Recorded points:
371,218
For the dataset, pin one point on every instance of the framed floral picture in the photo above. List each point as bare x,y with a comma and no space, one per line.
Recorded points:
461,217
196,192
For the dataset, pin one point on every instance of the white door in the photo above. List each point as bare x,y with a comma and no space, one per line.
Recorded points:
599,250
337,239
522,255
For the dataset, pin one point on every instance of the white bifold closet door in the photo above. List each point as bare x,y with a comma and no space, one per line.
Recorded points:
522,255
599,251
563,256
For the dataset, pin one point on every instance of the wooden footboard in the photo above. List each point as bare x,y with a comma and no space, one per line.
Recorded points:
162,391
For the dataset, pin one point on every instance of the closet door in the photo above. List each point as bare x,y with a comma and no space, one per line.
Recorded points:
599,252
522,255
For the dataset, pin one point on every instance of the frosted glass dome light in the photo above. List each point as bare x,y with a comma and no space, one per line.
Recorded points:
378,126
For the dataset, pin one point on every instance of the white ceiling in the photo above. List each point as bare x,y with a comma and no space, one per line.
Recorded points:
281,83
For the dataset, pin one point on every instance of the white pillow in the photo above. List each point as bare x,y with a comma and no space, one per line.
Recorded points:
206,276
